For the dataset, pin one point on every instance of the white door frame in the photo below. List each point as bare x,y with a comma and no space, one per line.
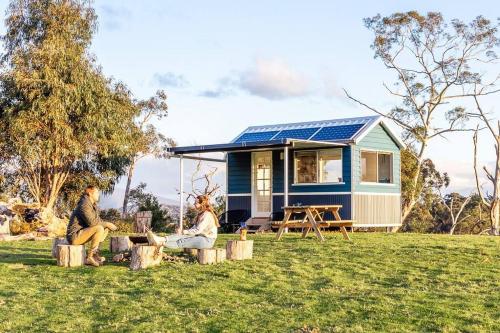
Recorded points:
254,203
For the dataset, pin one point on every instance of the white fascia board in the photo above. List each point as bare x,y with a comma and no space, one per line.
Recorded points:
365,130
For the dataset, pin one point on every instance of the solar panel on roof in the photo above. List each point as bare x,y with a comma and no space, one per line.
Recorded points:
254,137
302,133
342,132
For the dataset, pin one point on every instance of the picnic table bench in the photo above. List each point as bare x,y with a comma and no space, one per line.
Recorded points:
313,219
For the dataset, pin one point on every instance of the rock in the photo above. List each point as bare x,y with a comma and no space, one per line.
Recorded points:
51,224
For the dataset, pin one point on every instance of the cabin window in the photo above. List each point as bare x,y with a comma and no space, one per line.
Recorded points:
306,167
318,166
330,166
376,167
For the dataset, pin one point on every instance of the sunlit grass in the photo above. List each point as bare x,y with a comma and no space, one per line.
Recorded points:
377,282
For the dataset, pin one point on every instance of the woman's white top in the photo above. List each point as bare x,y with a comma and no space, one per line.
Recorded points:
206,226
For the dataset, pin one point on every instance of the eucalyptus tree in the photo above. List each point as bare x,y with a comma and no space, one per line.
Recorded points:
436,64
147,141
58,111
492,201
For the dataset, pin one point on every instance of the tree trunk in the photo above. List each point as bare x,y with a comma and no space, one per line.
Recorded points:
130,173
452,229
495,217
495,203
412,199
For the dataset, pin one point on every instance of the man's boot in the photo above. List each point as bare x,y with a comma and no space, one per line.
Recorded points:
98,258
90,260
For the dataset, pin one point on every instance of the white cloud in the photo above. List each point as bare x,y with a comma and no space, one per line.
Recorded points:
170,79
267,78
273,79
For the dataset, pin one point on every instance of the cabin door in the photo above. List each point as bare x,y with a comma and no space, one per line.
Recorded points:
262,180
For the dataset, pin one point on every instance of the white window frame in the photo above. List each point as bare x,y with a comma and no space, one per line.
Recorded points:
376,166
317,151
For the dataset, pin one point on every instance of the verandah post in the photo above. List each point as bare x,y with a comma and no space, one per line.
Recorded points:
285,181
181,194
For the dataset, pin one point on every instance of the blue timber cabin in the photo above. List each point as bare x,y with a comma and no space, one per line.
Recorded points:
353,162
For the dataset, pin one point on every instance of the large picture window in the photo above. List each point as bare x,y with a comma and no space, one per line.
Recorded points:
376,167
318,166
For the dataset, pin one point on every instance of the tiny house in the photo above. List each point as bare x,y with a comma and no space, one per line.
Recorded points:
352,162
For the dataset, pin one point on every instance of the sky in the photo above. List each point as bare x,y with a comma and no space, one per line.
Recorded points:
227,65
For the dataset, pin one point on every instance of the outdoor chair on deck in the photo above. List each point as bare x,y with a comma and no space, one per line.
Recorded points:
234,219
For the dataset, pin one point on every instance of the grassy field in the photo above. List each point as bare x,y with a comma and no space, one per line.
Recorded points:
377,282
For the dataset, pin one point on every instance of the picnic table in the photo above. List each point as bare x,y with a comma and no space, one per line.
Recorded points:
313,219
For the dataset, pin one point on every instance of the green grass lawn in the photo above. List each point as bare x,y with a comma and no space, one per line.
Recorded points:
377,282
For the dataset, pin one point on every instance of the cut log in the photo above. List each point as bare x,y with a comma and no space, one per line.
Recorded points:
118,244
58,241
220,255
144,256
70,255
142,221
5,225
239,250
207,256
191,252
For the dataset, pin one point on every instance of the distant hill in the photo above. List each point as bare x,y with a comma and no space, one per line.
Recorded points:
115,200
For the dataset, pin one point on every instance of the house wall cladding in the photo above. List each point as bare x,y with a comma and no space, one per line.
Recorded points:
278,174
239,173
239,202
377,139
317,199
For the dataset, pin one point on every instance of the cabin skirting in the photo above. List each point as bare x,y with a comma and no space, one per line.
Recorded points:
376,210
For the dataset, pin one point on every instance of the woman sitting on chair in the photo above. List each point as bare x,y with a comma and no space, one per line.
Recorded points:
200,236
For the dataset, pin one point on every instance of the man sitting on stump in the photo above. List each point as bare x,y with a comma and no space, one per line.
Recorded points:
85,226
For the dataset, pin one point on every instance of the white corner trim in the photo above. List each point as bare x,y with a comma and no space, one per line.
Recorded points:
366,130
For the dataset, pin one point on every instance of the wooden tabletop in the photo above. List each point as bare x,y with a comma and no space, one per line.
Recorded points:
313,206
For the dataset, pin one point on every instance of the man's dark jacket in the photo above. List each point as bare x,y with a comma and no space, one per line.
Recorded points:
86,214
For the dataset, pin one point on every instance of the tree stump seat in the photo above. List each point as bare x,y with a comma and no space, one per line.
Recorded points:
191,252
239,249
211,256
70,255
119,244
145,256
55,243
